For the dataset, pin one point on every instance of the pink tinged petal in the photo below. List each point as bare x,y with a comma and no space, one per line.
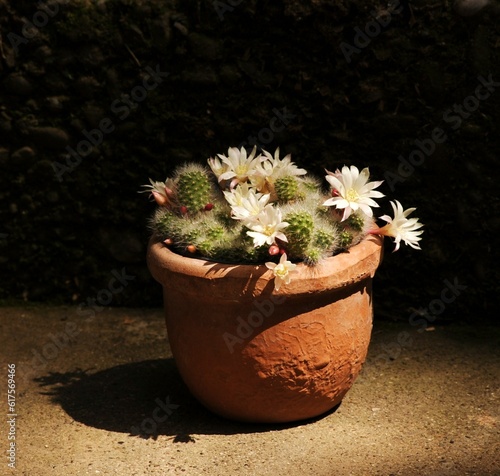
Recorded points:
159,198
233,183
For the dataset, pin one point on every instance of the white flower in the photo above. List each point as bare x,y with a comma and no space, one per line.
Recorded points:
250,206
402,228
273,168
239,167
282,271
236,196
162,192
352,190
218,168
266,227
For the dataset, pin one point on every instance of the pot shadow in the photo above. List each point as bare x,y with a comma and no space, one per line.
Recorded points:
143,399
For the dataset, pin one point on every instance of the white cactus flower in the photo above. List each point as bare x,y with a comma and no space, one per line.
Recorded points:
352,191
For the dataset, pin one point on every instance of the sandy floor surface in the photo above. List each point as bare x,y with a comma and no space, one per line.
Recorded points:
100,395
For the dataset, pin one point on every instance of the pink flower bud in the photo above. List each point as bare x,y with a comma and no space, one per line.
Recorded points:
183,209
233,183
209,206
274,250
160,199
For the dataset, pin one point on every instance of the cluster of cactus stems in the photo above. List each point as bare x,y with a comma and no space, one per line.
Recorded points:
214,214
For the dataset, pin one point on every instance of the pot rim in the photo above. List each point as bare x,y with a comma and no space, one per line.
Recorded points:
357,263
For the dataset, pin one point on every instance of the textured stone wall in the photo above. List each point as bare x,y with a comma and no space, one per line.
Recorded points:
98,96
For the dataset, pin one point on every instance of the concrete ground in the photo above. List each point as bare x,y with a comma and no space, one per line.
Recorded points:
98,394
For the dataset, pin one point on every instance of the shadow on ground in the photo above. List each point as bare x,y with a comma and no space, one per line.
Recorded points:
144,399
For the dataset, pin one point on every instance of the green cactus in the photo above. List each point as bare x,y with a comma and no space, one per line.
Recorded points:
198,221
323,239
236,248
345,239
298,232
167,224
287,189
210,239
356,222
194,189
313,256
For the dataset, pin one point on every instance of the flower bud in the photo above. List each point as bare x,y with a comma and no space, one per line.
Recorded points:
160,199
274,250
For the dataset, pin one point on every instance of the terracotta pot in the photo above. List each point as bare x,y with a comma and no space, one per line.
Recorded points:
250,353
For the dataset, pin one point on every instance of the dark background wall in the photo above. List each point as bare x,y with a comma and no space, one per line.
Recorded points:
332,82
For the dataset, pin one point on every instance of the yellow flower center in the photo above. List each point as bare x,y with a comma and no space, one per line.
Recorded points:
241,170
280,271
268,230
351,195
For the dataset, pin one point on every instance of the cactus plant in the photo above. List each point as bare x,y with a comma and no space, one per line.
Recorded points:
299,233
194,188
254,208
287,189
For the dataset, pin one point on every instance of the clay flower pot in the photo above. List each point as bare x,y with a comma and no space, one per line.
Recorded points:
250,353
